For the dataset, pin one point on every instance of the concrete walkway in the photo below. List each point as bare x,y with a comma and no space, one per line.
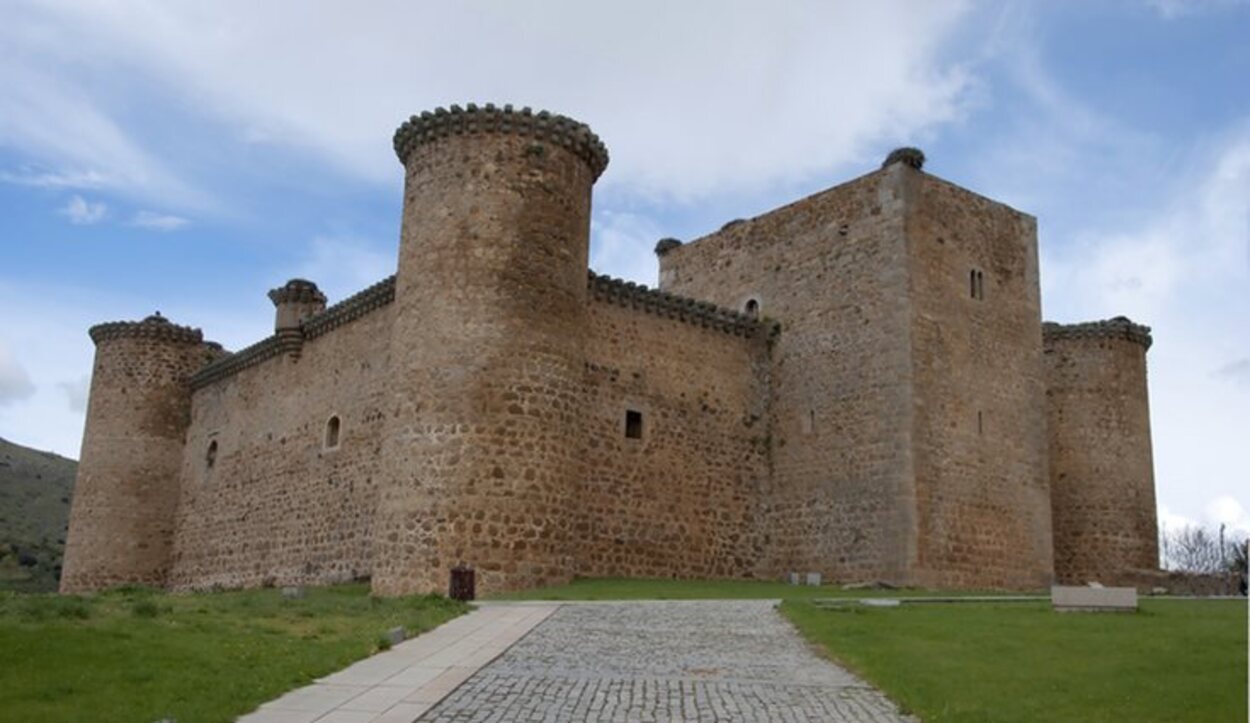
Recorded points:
399,685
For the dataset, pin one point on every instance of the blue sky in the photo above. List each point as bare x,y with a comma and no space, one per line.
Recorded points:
187,157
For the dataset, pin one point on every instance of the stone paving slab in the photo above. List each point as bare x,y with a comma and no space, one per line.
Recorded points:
678,661
399,685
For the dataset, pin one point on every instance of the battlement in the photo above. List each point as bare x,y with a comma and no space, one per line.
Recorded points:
153,327
1120,327
471,120
662,303
299,291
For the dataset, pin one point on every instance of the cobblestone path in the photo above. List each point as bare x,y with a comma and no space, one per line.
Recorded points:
678,661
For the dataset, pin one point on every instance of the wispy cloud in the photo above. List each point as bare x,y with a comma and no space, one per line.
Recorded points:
84,180
1173,9
76,393
82,212
343,265
15,384
692,98
158,221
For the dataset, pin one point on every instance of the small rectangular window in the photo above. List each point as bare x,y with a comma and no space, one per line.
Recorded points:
633,424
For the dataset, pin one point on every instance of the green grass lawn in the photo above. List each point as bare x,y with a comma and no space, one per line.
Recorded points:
1174,660
615,588
145,656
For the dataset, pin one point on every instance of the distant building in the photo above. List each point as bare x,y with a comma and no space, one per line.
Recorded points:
857,384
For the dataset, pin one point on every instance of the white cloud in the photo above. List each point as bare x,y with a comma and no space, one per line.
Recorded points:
623,245
76,393
1173,9
343,265
1228,511
56,179
82,212
692,98
15,384
1183,270
158,221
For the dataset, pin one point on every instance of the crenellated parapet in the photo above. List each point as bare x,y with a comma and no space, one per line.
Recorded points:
652,301
351,308
472,120
1120,327
311,327
154,327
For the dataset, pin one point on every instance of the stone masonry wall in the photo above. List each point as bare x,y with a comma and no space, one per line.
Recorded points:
683,500
982,488
121,527
277,506
1101,465
832,269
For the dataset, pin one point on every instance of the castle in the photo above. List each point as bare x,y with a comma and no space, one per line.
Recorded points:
857,384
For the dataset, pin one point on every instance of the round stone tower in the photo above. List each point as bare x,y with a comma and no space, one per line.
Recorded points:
126,495
1101,467
480,453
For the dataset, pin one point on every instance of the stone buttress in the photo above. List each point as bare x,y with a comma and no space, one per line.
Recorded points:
480,462
126,495
1101,464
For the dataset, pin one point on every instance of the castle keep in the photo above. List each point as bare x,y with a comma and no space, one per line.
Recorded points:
858,383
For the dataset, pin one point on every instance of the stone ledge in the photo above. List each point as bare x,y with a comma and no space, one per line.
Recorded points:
470,120
660,303
153,327
350,309
232,364
1120,327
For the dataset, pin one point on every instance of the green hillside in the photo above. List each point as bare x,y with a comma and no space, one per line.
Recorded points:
35,489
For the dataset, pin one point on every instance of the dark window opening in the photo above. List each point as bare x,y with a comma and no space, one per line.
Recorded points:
976,284
210,457
633,424
752,309
332,432
980,423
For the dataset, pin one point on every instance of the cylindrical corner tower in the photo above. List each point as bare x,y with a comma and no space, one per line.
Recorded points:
480,455
1101,467
126,495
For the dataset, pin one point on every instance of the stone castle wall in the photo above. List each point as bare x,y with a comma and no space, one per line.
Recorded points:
982,487
1101,465
682,499
276,505
832,269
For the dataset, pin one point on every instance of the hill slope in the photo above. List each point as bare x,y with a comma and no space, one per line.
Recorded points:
35,490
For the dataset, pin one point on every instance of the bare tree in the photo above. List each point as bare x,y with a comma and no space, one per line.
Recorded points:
1195,549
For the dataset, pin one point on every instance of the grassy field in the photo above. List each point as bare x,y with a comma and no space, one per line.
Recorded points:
144,656
612,588
1174,660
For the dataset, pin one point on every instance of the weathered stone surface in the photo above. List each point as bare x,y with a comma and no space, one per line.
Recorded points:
1095,599
1101,465
852,385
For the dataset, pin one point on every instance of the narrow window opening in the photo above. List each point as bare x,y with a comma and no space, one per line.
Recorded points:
332,432
976,284
752,308
809,421
210,457
980,423
633,424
